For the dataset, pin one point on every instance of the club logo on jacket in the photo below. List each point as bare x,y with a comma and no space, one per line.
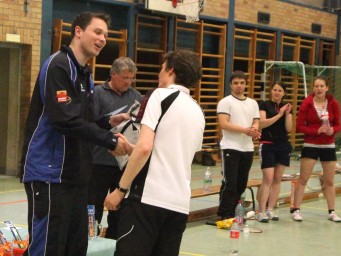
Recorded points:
62,97
82,88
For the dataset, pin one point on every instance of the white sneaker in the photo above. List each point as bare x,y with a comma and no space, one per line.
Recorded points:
338,166
271,215
334,217
262,217
296,216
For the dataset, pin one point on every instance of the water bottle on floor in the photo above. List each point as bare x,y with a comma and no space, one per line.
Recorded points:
92,229
239,213
207,180
234,238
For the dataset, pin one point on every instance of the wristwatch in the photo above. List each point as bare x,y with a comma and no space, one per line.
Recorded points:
123,190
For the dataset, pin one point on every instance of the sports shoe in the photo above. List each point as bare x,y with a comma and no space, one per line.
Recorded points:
337,166
262,217
297,215
334,217
271,215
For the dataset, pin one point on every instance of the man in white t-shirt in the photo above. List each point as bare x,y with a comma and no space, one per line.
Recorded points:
238,117
157,178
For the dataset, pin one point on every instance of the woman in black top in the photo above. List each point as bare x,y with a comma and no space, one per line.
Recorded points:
275,149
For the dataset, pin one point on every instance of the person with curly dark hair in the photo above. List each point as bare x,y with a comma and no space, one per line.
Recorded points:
156,181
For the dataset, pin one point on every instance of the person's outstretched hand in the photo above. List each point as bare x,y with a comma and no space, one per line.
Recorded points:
123,147
117,119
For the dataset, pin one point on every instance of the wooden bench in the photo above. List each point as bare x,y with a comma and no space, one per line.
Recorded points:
252,183
199,192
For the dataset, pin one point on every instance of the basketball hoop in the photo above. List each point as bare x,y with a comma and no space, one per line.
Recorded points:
191,8
174,3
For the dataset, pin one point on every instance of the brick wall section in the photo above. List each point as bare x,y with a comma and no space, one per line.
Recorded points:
14,20
284,15
216,8
287,16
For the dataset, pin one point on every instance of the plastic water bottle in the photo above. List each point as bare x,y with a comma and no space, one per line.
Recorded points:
207,180
92,229
325,119
234,238
239,213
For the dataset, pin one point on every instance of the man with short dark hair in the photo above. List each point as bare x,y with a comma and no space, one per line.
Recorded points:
158,174
238,117
60,128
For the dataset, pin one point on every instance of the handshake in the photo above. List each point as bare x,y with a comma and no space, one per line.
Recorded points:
123,146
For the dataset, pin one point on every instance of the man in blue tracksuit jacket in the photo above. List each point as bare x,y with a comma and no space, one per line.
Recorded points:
60,129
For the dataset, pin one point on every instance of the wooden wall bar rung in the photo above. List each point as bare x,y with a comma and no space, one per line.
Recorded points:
213,33
66,33
264,40
189,29
214,26
243,37
247,31
102,66
210,69
211,76
148,73
147,81
148,65
242,58
150,50
213,55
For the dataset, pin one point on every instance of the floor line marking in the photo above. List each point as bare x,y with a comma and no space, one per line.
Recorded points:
192,254
11,191
14,202
15,224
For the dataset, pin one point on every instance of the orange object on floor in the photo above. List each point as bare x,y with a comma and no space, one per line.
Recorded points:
18,251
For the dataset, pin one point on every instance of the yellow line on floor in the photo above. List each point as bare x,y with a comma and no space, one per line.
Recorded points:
188,253
11,191
15,224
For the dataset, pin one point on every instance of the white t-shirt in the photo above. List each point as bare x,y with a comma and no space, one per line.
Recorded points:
242,113
166,181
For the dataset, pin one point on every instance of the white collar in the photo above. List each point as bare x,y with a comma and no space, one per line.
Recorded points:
180,88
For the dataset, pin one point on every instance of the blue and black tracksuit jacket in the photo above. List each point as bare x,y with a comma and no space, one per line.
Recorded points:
60,127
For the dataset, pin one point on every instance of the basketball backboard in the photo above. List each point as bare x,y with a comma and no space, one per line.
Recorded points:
188,8
165,6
